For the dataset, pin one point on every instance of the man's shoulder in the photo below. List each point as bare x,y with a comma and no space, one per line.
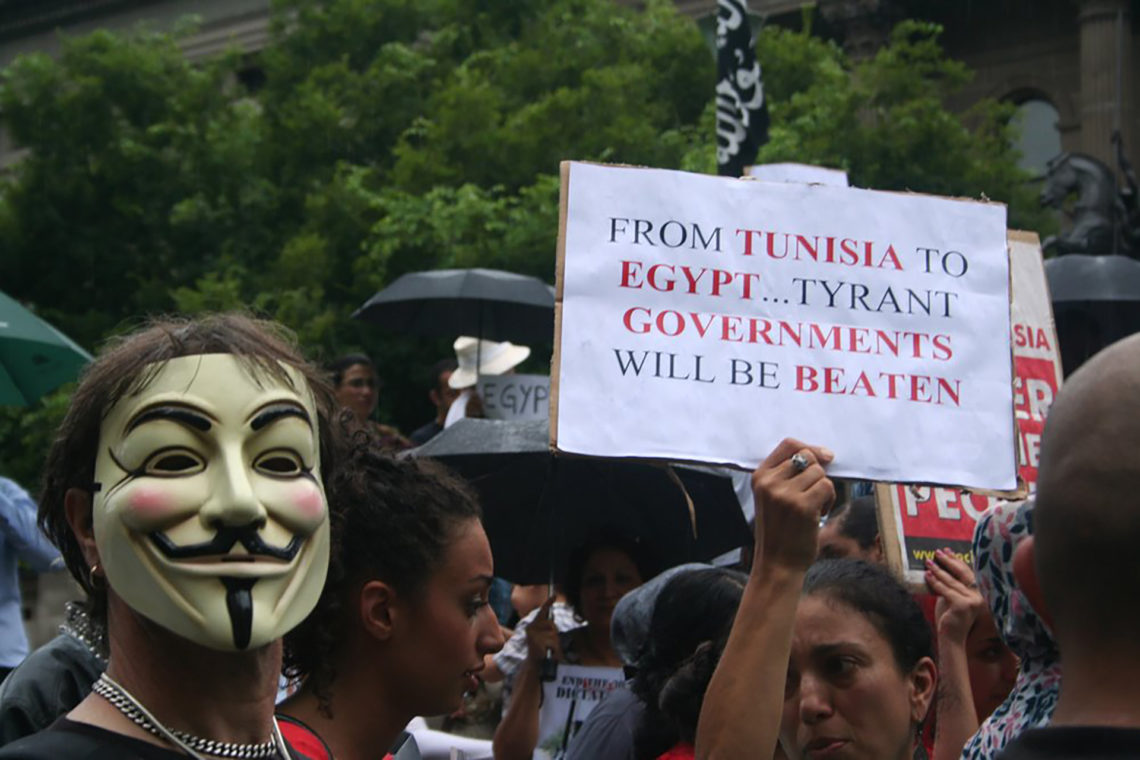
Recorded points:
1065,742
69,739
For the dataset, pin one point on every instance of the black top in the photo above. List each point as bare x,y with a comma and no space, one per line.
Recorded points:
425,433
66,739
49,683
1066,742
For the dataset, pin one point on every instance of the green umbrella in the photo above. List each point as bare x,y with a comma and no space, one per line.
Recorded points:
35,358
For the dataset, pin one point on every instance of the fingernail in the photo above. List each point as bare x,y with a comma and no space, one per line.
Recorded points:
930,563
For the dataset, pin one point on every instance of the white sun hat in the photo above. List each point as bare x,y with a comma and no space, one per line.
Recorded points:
492,358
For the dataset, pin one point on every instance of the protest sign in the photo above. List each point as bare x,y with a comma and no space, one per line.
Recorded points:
704,319
566,701
798,173
914,521
515,397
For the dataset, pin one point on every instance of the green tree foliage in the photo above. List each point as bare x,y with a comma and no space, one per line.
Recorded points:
399,135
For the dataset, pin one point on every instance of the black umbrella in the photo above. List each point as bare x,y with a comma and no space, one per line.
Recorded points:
1096,302
486,303
539,505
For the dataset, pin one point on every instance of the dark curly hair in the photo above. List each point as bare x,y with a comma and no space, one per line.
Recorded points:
874,592
694,610
392,520
126,365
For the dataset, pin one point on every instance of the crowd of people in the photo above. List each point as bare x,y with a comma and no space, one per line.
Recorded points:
267,575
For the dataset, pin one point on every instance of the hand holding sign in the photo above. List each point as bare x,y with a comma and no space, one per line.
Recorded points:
792,492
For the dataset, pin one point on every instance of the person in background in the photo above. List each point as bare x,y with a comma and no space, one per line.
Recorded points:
1078,569
20,541
976,669
479,358
690,620
608,731
851,529
600,572
403,623
997,538
357,388
831,661
441,395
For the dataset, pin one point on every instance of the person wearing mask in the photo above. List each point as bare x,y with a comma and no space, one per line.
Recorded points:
184,492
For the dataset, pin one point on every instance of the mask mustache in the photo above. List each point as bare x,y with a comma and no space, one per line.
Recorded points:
223,541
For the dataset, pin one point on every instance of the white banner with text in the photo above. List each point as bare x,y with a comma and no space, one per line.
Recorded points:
704,318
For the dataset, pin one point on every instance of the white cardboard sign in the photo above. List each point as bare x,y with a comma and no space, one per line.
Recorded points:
566,701
515,397
703,318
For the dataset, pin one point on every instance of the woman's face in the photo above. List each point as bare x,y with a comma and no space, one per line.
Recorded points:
845,696
607,576
992,667
358,391
449,627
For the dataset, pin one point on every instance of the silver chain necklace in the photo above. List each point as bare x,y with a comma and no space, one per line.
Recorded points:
195,746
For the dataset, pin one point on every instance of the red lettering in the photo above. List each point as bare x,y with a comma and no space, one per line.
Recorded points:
863,382
728,329
678,320
720,278
748,239
701,329
804,376
920,384
953,391
832,379
628,273
627,320
942,348
892,256
651,278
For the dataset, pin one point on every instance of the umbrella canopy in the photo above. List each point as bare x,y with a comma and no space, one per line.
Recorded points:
538,505
35,358
486,303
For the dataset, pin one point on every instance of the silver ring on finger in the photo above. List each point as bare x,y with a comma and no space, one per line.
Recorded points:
800,462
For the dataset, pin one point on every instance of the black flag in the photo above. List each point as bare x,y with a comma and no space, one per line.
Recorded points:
741,111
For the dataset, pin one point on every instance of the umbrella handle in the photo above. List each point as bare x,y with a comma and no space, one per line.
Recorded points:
548,670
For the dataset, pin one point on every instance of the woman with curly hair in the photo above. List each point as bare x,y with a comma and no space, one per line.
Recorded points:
403,622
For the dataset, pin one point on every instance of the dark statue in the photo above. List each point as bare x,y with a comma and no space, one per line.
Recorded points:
1104,220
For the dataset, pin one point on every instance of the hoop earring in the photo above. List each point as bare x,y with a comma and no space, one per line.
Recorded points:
94,577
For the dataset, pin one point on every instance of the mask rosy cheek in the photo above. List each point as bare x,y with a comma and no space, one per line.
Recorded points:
308,501
148,506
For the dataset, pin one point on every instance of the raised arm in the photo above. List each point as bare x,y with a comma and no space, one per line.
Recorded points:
741,712
517,734
959,605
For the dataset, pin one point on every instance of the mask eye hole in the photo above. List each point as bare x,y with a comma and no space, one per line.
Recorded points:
279,464
173,463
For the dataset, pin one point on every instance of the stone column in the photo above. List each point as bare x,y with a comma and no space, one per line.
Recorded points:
1103,48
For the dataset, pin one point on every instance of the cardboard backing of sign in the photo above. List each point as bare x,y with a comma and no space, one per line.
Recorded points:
914,521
